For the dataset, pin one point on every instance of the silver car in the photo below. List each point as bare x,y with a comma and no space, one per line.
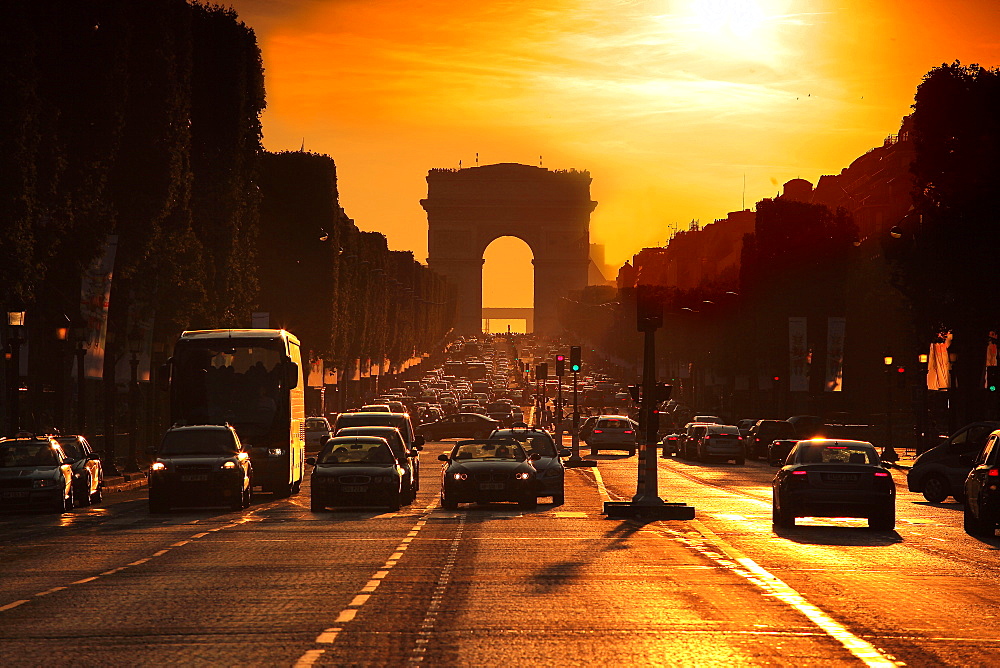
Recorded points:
722,442
613,432
317,431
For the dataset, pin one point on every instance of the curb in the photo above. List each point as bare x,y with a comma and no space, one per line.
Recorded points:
124,483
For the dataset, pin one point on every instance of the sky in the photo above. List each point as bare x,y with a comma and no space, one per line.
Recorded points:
680,110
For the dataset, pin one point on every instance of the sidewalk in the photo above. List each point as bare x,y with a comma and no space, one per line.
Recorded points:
124,482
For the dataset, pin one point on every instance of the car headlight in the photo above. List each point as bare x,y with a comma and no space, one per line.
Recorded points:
159,466
460,476
275,452
523,475
47,482
229,465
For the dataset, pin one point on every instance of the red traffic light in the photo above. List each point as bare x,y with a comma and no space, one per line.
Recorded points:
900,369
560,358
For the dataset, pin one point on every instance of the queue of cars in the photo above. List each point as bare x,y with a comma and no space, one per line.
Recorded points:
47,472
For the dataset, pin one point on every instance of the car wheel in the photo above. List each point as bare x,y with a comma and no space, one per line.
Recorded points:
296,486
248,494
883,520
976,526
84,494
98,495
935,489
631,452
395,501
237,501
283,491
529,503
316,504
558,499
448,504
70,501
781,517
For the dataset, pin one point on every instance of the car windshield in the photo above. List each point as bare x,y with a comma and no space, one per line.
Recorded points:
540,443
316,425
28,454
819,453
390,434
509,450
369,452
198,442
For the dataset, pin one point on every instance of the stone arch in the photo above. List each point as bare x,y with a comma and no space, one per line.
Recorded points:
468,209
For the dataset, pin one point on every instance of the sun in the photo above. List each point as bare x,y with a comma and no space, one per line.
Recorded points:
741,19
734,29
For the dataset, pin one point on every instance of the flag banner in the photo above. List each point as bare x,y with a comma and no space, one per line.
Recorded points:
95,294
798,376
835,328
330,376
315,373
939,365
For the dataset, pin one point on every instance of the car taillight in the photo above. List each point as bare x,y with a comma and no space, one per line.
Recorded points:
881,474
800,472
993,473
598,431
627,431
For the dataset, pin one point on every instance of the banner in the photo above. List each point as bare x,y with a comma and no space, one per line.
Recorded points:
798,375
835,328
315,373
95,294
939,365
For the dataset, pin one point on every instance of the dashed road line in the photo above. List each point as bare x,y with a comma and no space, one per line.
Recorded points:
430,619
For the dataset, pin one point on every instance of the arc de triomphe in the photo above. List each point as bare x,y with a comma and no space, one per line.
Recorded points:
467,209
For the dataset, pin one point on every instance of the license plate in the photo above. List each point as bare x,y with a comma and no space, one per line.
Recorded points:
17,494
200,477
354,488
491,485
841,477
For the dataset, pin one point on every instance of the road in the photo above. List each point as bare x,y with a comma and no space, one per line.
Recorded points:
278,585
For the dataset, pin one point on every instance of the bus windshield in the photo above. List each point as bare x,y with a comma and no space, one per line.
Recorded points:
235,381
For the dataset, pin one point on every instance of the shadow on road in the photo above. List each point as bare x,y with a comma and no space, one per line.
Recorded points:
827,535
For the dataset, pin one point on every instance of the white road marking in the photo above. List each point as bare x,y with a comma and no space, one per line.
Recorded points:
329,635
309,658
50,591
12,605
359,600
345,615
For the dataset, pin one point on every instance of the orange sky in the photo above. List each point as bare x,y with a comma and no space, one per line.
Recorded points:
668,103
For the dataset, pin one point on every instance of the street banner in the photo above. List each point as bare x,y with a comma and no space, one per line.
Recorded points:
938,364
835,328
798,376
330,375
315,373
95,295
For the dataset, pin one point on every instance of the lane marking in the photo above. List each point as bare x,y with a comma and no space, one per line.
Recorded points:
50,591
329,635
426,631
359,600
601,488
13,605
345,615
309,658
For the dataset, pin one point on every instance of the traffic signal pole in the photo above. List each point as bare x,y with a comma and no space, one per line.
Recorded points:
575,461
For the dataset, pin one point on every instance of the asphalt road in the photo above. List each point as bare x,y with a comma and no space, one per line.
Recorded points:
278,585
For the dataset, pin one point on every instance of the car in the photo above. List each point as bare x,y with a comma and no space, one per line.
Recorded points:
317,430
765,431
670,445
400,421
408,458
587,426
981,505
459,425
375,408
88,472
550,472
202,465
356,471
778,451
615,432
834,478
807,426
708,419
502,412
688,443
744,426
488,471
35,473
941,471
722,442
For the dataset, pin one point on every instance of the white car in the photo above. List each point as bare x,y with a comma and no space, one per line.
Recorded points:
317,429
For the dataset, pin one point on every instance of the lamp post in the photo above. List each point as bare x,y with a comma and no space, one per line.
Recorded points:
922,422
15,339
134,348
888,453
62,338
81,342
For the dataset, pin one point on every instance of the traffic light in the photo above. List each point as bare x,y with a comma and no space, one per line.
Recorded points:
574,359
542,371
560,365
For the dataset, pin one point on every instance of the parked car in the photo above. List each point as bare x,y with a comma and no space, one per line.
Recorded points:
408,458
982,498
459,425
942,471
35,473
721,442
88,472
317,430
550,473
201,465
487,471
765,431
356,471
613,432
834,478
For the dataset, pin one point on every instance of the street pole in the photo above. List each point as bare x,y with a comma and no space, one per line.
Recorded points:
81,387
647,487
132,464
888,453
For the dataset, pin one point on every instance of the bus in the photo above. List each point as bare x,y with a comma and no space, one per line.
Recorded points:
252,380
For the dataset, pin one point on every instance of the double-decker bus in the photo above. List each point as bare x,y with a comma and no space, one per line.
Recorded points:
251,379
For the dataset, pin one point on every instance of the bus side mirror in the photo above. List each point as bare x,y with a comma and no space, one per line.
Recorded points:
291,375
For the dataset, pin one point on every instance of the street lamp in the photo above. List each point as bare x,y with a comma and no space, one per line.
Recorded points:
134,348
888,453
16,337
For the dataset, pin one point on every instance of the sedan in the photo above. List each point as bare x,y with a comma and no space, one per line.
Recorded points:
459,425
982,499
88,473
616,432
35,473
486,471
408,459
550,472
356,471
831,478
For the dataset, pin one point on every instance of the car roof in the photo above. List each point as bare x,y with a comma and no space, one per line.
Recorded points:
200,427
357,439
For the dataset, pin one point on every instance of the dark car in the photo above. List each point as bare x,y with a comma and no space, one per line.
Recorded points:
88,472
459,425
670,445
356,471
487,471
778,451
502,412
941,471
721,442
982,499
400,421
35,473
549,470
834,478
201,465
409,459
765,431
615,432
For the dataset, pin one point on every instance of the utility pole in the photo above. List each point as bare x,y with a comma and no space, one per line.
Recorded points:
575,364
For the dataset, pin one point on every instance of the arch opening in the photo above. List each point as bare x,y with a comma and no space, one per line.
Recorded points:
508,286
